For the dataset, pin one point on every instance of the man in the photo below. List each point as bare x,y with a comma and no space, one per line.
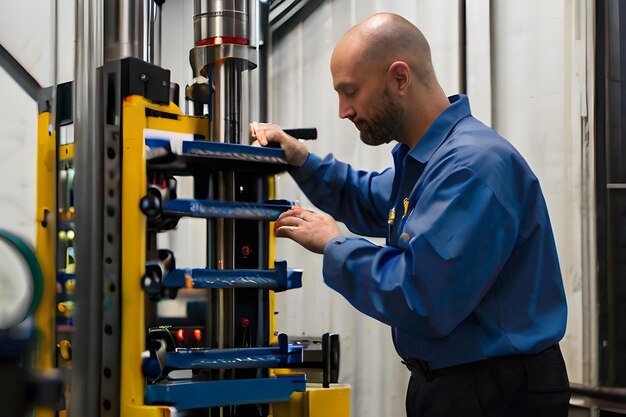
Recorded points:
469,280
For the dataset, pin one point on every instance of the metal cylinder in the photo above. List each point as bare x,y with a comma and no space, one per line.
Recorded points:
156,35
125,29
256,81
253,23
220,21
222,31
221,312
89,218
152,32
226,120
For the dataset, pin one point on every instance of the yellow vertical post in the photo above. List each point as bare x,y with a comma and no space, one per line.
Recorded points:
134,186
133,258
45,247
271,253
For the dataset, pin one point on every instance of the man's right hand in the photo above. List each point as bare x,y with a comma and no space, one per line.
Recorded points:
296,152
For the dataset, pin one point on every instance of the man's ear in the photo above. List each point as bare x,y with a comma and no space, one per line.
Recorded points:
399,77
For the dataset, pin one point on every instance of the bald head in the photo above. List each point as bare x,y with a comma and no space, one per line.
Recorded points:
384,78
382,39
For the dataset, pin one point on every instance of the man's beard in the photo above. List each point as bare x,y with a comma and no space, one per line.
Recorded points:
384,124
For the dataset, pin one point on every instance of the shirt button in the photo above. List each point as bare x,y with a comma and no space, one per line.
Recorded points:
405,236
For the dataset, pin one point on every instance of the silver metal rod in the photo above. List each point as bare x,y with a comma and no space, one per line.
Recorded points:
156,35
253,23
222,300
226,118
85,399
149,11
55,54
125,29
152,32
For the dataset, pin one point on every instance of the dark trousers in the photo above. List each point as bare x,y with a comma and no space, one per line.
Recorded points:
509,386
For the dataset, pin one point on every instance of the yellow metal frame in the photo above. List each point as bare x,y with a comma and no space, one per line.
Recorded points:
45,247
134,185
66,152
271,253
316,402
334,401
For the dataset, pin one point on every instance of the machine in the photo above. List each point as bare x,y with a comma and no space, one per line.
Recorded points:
134,331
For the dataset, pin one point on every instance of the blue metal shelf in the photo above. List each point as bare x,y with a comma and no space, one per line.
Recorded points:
280,356
268,211
279,279
214,156
187,394
234,151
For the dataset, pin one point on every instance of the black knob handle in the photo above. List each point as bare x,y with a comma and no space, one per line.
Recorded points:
302,133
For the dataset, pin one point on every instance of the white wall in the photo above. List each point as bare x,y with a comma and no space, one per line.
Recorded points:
18,131
537,107
18,113
26,32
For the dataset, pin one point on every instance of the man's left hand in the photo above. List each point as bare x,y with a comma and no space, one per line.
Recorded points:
308,228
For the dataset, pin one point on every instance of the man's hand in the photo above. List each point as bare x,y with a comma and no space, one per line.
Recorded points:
296,152
308,228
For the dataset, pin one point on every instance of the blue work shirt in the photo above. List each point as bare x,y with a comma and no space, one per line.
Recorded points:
470,270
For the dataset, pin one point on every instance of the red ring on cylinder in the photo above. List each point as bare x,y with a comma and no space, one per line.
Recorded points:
219,40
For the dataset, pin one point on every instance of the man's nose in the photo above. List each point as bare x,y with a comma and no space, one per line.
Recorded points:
346,112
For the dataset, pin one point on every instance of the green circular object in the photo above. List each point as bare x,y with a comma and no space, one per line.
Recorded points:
21,280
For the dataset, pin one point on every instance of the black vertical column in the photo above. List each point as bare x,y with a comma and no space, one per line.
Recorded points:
611,189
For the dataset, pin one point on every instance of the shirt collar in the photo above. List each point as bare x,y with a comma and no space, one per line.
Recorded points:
438,131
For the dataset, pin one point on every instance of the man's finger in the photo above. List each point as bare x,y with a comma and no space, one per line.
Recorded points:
285,231
261,137
288,221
